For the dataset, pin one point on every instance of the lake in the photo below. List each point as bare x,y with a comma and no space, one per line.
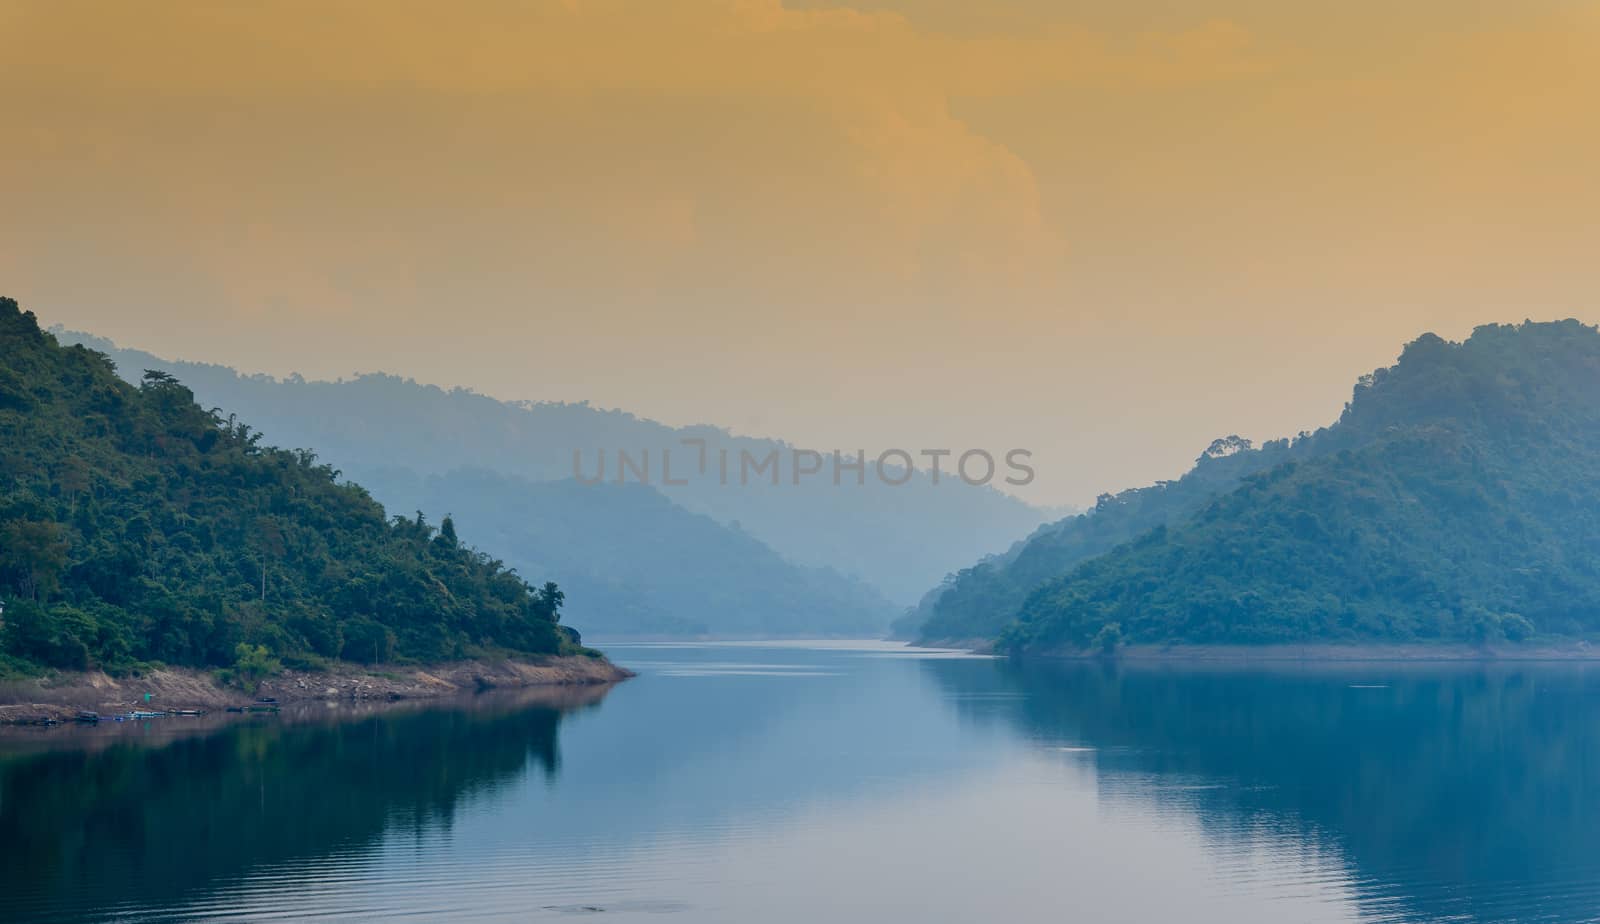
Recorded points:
841,782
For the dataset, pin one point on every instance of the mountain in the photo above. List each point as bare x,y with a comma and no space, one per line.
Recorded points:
977,602
899,538
137,527
1456,498
635,563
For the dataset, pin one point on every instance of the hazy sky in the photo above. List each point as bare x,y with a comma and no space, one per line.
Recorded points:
1108,231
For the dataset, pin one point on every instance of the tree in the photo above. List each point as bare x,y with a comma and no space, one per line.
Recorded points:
55,636
552,598
367,641
74,478
446,541
1109,638
1516,627
33,554
267,537
252,664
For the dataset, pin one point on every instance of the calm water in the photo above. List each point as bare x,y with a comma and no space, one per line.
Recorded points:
744,783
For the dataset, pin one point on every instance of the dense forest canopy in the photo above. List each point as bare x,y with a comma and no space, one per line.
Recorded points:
1457,498
977,602
137,527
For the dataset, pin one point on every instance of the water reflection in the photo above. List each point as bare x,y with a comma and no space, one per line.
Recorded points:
1450,792
110,820
789,784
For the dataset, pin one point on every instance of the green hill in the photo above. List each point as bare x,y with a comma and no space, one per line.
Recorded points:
977,602
137,527
1457,498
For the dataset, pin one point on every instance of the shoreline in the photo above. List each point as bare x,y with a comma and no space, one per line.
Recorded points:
23,740
1331,652
61,696
1336,652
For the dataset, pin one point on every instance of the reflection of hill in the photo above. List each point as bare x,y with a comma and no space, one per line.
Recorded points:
132,823
1449,791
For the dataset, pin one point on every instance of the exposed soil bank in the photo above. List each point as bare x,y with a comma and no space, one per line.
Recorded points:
22,740
63,695
973,645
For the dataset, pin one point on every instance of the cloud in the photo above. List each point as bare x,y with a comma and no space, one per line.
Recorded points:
753,130
759,47
824,202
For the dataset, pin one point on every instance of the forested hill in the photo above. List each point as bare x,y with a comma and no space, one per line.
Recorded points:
977,602
137,527
1457,498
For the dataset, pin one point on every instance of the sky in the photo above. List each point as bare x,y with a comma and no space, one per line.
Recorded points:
1103,232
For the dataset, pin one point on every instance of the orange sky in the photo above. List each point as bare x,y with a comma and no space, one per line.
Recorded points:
1107,232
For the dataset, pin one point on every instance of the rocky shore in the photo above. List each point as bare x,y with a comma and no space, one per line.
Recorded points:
61,696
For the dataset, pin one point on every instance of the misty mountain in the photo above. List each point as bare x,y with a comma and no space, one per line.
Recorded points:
632,562
901,539
1456,498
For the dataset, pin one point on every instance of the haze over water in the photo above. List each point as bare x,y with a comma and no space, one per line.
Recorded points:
845,782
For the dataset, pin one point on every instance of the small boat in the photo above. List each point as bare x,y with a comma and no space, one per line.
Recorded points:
188,712
46,721
140,714
268,701
87,717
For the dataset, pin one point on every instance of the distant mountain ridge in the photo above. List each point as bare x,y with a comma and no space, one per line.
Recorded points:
383,430
1457,498
634,563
